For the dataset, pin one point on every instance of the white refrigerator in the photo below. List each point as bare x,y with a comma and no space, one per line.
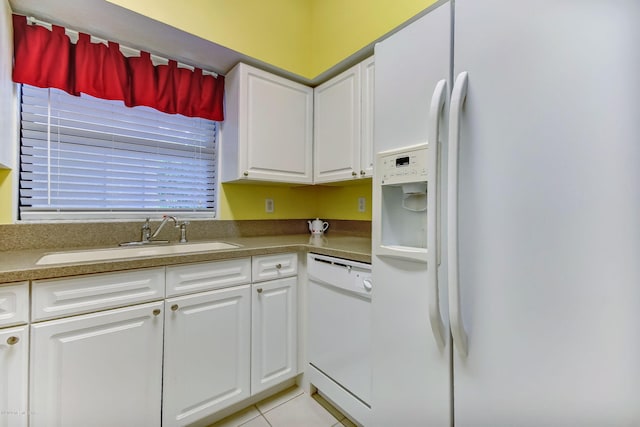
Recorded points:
538,217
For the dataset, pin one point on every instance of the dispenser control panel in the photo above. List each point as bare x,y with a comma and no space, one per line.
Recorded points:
400,166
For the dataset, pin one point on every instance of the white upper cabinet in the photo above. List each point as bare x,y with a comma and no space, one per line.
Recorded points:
337,127
267,132
8,103
367,156
343,126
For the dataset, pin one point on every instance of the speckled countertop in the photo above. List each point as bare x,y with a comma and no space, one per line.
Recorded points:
19,265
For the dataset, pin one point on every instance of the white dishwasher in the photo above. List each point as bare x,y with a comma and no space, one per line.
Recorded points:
339,335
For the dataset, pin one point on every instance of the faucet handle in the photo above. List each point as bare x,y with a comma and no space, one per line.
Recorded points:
183,231
145,232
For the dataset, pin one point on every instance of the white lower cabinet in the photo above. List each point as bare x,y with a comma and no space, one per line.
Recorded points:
273,333
99,369
206,353
14,304
217,340
14,365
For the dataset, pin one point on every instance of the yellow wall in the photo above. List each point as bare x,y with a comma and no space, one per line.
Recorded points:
273,31
340,28
305,37
342,202
246,201
6,198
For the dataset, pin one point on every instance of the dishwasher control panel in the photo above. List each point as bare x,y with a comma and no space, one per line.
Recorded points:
351,276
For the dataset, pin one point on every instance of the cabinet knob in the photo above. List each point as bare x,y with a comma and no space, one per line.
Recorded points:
278,266
12,340
156,312
354,173
259,290
363,173
174,307
246,173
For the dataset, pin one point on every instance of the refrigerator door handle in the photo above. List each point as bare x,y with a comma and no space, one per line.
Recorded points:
433,253
458,97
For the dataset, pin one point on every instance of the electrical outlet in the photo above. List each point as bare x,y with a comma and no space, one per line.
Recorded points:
268,205
362,204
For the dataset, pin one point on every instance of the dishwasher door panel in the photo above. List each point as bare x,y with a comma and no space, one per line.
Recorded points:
340,334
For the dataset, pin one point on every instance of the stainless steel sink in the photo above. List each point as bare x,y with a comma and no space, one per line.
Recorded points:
131,252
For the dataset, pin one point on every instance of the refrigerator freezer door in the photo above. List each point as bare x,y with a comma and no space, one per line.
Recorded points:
411,369
549,213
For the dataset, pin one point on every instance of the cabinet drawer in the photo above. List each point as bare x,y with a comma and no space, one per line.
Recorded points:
190,278
14,304
83,294
269,267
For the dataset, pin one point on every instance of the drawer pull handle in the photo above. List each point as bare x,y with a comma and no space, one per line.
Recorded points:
259,290
12,340
174,307
156,312
278,266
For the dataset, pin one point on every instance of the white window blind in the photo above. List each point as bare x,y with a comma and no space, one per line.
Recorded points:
87,157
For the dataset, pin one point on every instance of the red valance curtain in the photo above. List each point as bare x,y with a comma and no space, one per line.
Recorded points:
46,58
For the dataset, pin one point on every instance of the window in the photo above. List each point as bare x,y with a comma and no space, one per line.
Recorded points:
83,157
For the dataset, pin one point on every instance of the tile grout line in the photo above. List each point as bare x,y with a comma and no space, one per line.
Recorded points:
265,418
263,414
248,421
277,406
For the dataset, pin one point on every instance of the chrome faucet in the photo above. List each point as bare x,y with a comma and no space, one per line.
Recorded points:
165,218
147,237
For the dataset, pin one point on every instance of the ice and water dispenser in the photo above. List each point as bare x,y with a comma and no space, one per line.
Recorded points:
404,184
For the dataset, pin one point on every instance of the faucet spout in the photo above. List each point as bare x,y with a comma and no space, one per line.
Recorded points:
165,218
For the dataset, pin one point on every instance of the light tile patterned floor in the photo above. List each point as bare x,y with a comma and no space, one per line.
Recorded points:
290,408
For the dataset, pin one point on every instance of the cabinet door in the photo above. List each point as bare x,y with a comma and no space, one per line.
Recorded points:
367,71
14,364
273,333
337,128
100,369
207,355
268,130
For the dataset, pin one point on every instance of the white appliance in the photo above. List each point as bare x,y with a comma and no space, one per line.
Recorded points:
339,335
539,166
